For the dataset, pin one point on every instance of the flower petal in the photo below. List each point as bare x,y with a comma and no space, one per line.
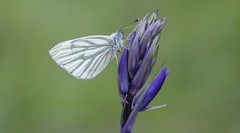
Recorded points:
153,89
123,78
153,17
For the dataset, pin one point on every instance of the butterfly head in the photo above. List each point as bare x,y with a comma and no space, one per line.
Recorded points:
118,38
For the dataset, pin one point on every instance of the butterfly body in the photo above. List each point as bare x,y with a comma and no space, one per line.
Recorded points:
86,57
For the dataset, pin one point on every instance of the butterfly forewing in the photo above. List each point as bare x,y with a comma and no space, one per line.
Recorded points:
85,57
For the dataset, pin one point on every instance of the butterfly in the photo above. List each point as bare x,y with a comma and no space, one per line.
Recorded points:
86,57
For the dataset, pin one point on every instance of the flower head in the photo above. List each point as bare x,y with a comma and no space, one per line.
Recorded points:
135,66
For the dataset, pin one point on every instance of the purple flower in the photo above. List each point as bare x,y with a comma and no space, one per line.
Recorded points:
135,67
152,91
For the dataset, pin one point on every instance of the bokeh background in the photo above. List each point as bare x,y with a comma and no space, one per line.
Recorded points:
200,44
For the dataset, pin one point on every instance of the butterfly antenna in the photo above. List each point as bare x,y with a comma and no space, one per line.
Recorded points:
130,24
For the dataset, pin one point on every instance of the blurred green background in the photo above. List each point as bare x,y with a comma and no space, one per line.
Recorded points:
200,43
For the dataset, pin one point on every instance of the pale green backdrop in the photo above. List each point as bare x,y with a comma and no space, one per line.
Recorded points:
200,44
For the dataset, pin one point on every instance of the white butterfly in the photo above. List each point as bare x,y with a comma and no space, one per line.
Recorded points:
86,57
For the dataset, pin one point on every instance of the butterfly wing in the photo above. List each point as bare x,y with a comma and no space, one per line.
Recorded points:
85,57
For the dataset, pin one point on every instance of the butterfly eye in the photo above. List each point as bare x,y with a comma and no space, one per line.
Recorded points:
119,50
